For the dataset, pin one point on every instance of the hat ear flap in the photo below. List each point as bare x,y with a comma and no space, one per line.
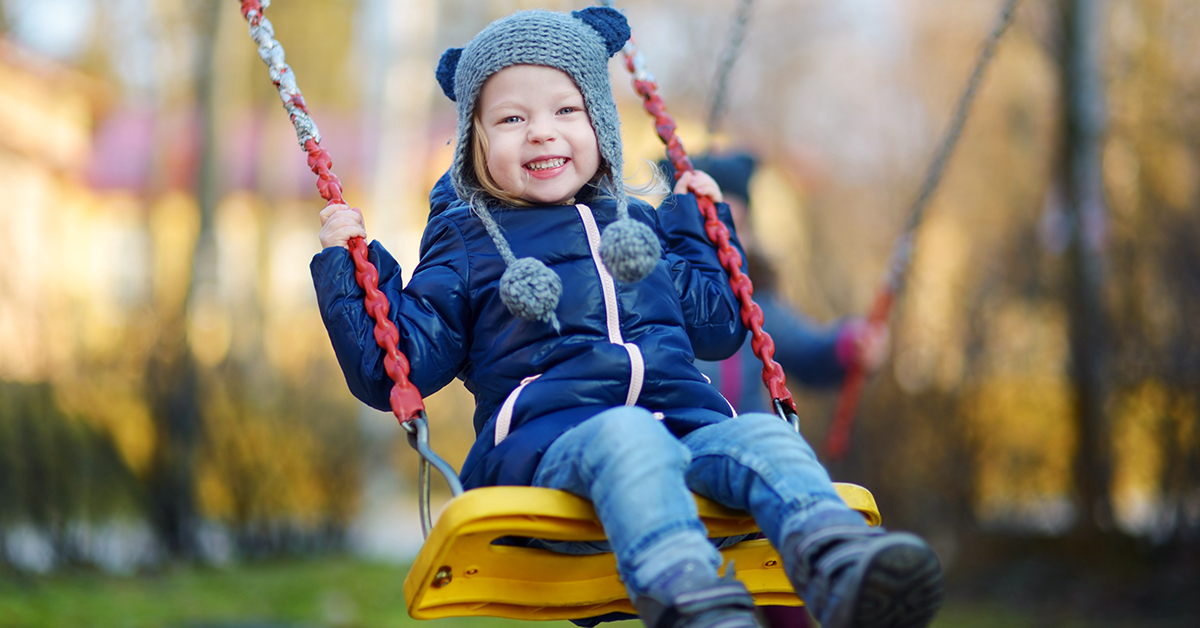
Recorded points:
609,22
445,71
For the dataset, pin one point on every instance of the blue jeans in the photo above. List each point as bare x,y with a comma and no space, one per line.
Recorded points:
639,477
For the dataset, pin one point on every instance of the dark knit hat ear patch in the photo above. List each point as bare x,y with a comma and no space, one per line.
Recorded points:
445,71
609,22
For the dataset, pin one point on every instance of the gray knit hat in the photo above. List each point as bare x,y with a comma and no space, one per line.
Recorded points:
579,44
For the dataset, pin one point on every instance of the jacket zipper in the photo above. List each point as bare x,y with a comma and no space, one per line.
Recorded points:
637,365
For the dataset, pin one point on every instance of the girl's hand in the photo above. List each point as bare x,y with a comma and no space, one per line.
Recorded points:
339,223
700,184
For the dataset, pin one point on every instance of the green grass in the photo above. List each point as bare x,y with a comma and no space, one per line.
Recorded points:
318,593
310,593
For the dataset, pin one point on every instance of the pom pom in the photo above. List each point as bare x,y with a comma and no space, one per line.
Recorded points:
446,69
630,250
609,22
530,290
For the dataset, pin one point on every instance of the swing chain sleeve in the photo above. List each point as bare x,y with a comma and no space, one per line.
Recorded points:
405,399
752,315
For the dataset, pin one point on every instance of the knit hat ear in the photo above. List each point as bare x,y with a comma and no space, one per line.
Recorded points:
609,22
445,71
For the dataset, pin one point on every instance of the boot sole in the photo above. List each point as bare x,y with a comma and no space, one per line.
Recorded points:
901,586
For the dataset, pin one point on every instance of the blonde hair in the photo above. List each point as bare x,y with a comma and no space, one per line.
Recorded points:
478,160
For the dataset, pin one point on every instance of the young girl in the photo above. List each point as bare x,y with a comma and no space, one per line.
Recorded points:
574,314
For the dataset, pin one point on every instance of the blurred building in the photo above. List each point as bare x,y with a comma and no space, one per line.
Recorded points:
46,118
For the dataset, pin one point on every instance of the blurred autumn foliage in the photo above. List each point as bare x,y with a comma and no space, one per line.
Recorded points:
162,360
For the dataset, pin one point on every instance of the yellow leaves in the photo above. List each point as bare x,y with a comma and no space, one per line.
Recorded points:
210,328
73,271
1150,421
318,35
1172,172
1020,415
1022,429
24,298
214,496
931,334
1122,169
217,309
1138,426
451,430
264,468
294,344
128,420
1026,338
174,225
115,406
111,249
293,335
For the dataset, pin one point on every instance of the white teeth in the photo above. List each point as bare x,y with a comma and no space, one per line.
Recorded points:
547,164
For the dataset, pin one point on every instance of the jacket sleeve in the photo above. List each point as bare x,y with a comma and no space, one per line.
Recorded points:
432,314
804,349
710,308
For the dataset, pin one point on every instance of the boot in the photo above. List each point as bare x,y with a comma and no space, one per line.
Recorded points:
719,603
860,577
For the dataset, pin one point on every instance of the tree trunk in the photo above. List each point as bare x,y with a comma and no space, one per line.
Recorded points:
174,376
1083,129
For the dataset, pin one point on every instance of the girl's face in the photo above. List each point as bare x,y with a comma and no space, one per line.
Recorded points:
541,146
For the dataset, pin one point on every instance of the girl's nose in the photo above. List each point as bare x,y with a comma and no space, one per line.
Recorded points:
541,131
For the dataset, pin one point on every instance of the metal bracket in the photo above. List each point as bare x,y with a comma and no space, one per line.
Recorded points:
418,438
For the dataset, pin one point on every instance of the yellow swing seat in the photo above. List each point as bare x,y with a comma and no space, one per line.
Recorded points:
460,573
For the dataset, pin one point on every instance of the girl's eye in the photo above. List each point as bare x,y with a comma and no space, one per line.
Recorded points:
510,119
566,110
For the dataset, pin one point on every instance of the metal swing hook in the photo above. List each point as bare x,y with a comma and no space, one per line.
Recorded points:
417,430
787,415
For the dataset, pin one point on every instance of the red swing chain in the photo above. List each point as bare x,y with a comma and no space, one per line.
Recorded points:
752,316
405,399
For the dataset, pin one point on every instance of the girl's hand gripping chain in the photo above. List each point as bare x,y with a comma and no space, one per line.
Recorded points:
339,224
700,184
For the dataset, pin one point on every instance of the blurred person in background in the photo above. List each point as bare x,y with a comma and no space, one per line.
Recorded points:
818,355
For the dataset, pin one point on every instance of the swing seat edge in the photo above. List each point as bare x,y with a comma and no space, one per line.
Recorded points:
460,573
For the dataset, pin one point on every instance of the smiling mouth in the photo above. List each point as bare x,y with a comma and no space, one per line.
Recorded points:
546,164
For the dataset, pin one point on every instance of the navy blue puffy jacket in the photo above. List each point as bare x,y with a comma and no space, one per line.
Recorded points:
635,344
